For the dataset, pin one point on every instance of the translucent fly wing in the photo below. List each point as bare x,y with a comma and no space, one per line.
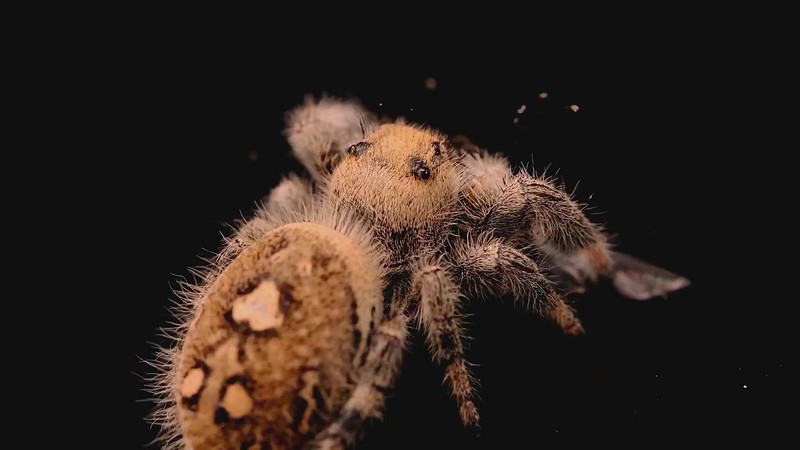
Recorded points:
632,277
565,271
639,280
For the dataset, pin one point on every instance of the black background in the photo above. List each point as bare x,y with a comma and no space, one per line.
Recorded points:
198,124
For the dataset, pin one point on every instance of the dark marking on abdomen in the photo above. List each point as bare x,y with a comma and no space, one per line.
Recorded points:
241,353
321,261
250,444
287,298
356,339
299,413
250,285
245,330
319,401
279,246
369,338
221,416
354,319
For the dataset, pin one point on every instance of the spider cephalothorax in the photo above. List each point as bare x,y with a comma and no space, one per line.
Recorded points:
405,182
293,337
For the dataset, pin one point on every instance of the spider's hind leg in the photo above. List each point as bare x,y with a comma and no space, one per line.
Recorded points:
375,377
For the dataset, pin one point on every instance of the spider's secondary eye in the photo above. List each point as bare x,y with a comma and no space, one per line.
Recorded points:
437,149
358,149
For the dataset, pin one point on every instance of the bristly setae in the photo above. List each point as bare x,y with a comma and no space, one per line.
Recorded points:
296,332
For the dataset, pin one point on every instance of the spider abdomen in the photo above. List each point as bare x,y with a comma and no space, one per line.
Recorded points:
270,356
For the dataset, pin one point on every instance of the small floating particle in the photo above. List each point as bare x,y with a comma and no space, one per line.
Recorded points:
430,83
574,108
543,95
521,109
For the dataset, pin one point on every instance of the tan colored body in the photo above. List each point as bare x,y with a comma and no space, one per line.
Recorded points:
269,354
387,167
292,339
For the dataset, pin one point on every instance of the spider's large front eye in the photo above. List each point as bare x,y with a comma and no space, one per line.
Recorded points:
420,170
424,173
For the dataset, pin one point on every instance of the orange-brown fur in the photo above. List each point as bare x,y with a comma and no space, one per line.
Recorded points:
287,342
381,182
325,274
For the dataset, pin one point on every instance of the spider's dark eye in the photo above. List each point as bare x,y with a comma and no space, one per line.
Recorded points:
419,169
358,149
437,149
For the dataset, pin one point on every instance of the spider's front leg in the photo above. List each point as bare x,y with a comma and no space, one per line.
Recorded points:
510,205
375,377
487,266
532,210
438,313
320,132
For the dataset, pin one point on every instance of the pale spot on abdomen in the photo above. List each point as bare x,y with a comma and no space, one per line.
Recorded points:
260,309
192,385
237,401
192,382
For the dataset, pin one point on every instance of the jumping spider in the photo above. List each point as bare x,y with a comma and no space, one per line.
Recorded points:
296,332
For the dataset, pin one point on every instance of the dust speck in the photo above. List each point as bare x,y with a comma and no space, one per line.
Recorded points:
430,83
253,155
574,108
521,109
543,95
